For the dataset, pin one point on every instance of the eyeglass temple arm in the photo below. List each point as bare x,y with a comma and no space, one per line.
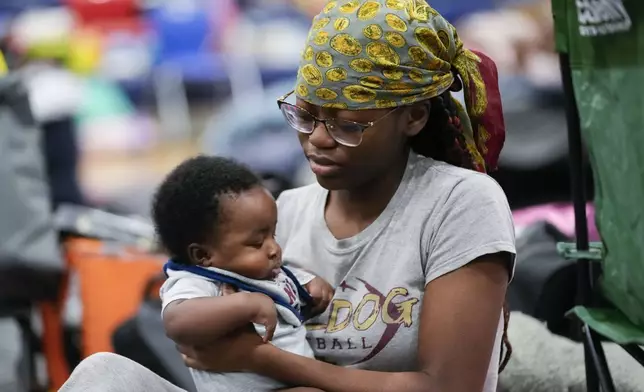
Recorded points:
283,97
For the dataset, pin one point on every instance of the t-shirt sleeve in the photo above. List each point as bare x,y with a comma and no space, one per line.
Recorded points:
183,288
475,221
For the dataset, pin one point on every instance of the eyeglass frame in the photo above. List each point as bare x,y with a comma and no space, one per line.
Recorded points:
363,126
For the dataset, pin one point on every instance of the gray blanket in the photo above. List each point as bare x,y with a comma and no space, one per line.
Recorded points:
543,362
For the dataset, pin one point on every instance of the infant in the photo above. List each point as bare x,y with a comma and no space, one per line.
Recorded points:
218,224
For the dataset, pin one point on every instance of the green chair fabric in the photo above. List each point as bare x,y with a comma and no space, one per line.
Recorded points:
605,43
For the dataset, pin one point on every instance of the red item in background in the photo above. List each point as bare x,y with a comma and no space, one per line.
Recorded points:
99,11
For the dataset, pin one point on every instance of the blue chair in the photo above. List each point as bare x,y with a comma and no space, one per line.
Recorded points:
184,41
16,6
184,54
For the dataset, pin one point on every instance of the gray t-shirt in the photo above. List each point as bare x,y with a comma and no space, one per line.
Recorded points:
441,218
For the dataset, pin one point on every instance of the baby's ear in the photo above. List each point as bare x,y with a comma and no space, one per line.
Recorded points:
199,255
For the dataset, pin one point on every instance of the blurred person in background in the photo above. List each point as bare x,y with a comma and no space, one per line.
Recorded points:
309,7
55,95
526,46
403,221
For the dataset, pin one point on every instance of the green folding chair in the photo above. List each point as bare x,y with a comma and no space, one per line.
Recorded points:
601,46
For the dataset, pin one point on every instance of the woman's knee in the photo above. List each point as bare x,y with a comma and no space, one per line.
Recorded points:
99,372
104,361
107,372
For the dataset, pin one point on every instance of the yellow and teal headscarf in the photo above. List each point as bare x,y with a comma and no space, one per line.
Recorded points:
374,54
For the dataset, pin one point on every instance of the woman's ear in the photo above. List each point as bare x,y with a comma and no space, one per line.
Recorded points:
417,116
199,255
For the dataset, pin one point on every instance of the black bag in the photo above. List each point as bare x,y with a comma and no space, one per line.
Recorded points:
143,340
544,284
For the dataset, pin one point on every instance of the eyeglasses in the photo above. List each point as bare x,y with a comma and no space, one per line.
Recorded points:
345,132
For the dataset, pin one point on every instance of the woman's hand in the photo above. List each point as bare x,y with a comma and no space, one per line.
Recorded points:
321,292
234,353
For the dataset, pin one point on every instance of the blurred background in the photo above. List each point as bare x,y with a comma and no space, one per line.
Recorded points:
122,90
145,83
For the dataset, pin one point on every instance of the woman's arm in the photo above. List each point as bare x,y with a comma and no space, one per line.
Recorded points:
459,320
296,369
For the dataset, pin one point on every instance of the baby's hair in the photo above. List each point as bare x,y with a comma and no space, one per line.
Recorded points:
186,206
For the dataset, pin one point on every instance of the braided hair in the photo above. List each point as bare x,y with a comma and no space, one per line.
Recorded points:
442,139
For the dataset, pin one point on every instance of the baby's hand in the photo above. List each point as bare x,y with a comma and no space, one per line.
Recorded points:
264,313
321,292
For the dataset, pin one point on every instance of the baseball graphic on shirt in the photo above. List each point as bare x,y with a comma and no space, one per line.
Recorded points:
361,321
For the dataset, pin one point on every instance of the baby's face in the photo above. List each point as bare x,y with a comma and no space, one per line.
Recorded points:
246,237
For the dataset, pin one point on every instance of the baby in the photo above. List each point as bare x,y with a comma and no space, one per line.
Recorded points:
217,222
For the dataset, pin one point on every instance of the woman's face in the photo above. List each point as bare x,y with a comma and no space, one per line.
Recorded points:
339,167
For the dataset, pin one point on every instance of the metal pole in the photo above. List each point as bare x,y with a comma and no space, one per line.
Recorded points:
577,182
597,372
636,352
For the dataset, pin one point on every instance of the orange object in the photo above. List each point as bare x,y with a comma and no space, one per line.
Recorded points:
112,282
111,288
52,339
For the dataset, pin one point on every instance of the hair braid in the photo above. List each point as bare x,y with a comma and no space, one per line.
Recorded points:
441,138
506,346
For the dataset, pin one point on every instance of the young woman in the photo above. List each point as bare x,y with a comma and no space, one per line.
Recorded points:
416,240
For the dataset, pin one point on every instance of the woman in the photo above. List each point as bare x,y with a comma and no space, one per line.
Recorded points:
420,250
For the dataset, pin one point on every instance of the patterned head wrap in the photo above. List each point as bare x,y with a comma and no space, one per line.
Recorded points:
373,54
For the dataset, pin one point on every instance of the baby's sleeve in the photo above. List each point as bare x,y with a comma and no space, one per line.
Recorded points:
303,276
184,287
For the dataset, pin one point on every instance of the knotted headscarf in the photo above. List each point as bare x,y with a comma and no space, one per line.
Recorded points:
373,54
